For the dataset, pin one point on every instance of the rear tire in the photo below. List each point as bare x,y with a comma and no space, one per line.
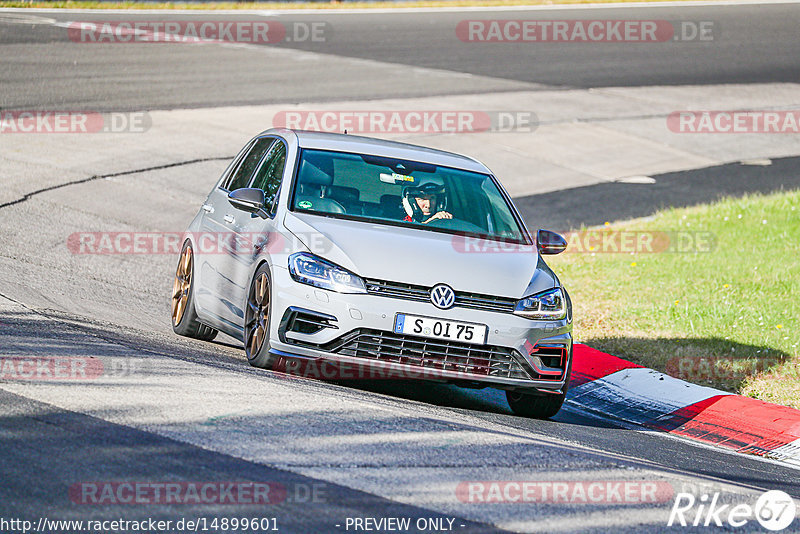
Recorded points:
184,317
257,320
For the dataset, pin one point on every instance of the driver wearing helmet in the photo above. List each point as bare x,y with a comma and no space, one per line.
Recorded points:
425,203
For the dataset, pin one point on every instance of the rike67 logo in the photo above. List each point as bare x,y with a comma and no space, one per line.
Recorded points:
774,510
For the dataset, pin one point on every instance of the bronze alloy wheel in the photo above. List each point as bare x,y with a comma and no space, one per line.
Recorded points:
183,282
258,307
184,317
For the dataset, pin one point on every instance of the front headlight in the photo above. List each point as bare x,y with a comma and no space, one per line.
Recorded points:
314,271
549,304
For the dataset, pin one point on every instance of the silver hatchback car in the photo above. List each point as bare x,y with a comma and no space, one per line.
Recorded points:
381,259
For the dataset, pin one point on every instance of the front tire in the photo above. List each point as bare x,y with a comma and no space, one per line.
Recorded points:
257,320
541,406
535,406
184,317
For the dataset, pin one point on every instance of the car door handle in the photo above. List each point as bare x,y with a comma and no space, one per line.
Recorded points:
229,219
208,208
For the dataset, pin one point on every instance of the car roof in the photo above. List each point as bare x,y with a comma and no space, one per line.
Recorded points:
381,147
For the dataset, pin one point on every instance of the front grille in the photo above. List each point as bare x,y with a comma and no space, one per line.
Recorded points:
479,360
397,290
485,302
464,299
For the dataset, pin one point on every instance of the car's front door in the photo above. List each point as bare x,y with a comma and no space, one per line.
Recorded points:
218,242
254,232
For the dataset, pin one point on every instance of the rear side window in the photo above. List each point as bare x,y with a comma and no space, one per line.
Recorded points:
242,176
269,176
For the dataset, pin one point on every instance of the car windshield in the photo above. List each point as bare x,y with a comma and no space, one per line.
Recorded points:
401,192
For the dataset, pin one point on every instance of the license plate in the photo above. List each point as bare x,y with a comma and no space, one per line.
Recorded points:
416,325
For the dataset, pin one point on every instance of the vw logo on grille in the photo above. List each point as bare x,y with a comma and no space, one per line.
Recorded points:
443,296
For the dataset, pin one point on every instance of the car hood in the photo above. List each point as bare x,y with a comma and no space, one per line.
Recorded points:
422,257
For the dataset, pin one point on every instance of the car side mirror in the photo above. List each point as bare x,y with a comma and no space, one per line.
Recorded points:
548,242
249,199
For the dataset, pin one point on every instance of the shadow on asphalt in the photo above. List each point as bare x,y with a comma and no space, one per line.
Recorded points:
713,362
25,334
77,467
226,343
486,400
613,201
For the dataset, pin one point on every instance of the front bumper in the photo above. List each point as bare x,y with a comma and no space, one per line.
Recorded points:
356,330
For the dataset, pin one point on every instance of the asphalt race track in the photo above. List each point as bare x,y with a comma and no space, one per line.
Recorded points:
172,410
159,77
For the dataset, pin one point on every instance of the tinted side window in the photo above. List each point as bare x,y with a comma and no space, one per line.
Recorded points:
270,174
242,175
234,164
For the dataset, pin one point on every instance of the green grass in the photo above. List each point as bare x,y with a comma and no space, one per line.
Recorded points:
333,4
726,318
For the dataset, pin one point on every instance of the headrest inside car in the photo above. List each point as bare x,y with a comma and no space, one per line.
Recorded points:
311,174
